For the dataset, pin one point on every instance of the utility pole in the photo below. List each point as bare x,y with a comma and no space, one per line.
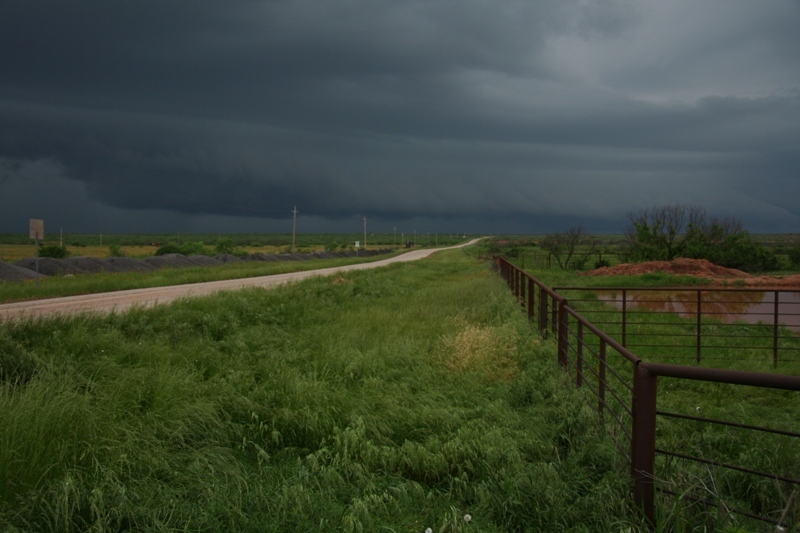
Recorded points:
365,232
294,225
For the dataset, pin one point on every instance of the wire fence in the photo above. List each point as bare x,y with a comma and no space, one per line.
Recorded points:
696,325
731,466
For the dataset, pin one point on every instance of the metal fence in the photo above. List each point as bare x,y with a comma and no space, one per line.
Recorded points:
695,324
733,467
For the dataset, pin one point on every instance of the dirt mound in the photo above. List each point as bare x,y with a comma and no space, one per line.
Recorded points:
681,266
15,273
699,268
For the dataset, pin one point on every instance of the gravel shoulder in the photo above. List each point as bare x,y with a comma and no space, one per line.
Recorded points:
122,300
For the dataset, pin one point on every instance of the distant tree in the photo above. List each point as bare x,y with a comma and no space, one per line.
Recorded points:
563,246
663,233
655,234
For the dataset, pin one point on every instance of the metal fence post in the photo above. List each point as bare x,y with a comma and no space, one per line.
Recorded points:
601,381
563,334
531,299
699,322
643,442
543,296
579,356
624,317
775,331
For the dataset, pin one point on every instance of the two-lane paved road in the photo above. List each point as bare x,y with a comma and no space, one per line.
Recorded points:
122,300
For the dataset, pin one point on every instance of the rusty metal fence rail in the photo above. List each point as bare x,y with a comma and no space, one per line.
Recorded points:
714,462
755,322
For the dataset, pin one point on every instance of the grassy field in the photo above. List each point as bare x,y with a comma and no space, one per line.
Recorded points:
400,399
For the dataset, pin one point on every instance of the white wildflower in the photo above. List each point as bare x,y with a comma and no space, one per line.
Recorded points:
467,518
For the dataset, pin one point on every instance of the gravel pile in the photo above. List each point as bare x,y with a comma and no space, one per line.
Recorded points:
49,266
227,258
205,260
15,273
258,257
169,261
128,264
91,265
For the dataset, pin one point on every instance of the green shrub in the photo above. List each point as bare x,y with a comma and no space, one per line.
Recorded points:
187,248
225,246
115,251
55,251
600,263
794,256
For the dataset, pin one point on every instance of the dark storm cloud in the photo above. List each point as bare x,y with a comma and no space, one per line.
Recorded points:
452,110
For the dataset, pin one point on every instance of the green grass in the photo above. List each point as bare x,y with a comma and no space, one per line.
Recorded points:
388,400
57,286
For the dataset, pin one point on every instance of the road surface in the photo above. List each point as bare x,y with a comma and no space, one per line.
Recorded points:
121,300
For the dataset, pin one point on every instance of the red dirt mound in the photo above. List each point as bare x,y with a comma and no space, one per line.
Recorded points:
681,266
702,269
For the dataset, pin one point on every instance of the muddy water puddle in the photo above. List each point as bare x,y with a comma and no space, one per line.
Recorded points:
727,306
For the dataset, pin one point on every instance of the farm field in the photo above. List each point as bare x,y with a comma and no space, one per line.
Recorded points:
410,397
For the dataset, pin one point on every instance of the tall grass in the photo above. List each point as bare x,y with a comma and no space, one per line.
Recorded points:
389,400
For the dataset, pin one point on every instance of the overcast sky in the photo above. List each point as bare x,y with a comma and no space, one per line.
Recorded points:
478,116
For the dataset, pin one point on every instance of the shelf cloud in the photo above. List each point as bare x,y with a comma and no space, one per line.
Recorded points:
426,115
